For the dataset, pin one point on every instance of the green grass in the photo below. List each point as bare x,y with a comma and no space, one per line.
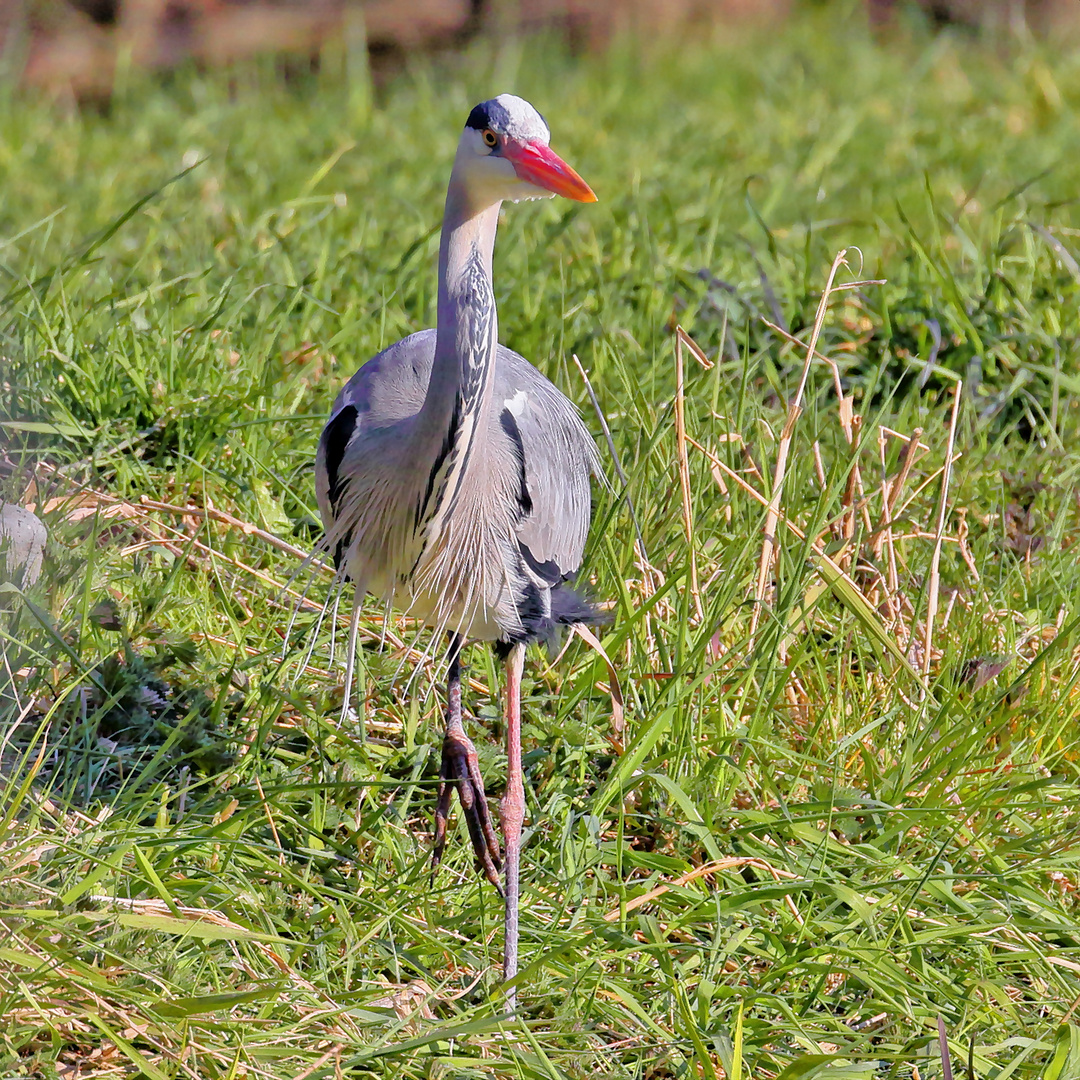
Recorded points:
202,875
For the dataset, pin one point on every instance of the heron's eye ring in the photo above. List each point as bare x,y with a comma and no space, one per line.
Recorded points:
490,138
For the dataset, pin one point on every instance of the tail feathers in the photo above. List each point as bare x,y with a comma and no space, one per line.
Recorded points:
568,607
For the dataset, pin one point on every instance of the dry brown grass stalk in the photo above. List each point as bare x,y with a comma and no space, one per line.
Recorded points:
651,578
854,499
815,544
735,862
176,541
819,466
681,338
927,481
878,570
238,523
882,540
965,551
943,510
772,513
614,689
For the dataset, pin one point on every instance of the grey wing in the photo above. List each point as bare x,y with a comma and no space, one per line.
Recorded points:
386,389
559,458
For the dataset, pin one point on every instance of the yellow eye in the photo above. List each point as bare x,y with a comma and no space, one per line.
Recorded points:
490,138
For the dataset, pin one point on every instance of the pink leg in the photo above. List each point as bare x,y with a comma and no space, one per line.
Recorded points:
513,815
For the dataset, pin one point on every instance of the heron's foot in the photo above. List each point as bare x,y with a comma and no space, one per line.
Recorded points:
461,770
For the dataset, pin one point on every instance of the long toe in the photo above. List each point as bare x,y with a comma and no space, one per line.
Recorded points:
461,769
442,815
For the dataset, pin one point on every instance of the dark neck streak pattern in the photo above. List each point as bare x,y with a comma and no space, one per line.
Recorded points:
473,304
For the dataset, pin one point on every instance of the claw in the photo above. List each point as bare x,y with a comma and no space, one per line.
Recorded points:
461,769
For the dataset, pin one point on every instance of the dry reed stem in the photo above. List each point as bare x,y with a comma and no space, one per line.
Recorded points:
684,467
900,436
1071,1011
618,709
639,542
949,609
884,539
732,437
334,1050
794,409
722,485
850,423
864,502
751,491
111,506
819,465
160,908
925,484
943,510
695,349
906,463
269,817
244,526
815,543
692,875
190,543
965,551
651,578
812,352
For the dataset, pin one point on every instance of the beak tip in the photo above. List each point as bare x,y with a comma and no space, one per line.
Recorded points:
536,163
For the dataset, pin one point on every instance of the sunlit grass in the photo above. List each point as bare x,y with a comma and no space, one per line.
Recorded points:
203,875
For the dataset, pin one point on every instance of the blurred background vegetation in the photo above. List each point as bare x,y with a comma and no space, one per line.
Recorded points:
73,47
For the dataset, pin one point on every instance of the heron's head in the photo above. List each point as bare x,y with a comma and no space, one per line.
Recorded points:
504,154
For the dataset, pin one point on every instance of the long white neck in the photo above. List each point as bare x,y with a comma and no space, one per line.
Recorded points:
458,396
467,329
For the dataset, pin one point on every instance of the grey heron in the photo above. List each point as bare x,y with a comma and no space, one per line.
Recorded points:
453,478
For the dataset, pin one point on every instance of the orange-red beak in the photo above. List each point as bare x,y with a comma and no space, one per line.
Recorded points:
539,165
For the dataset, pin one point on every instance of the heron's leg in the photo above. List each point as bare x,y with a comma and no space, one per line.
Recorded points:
513,813
461,769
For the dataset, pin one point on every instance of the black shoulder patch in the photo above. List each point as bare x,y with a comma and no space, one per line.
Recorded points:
336,435
340,549
513,433
548,570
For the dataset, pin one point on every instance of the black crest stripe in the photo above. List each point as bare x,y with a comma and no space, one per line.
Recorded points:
489,114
